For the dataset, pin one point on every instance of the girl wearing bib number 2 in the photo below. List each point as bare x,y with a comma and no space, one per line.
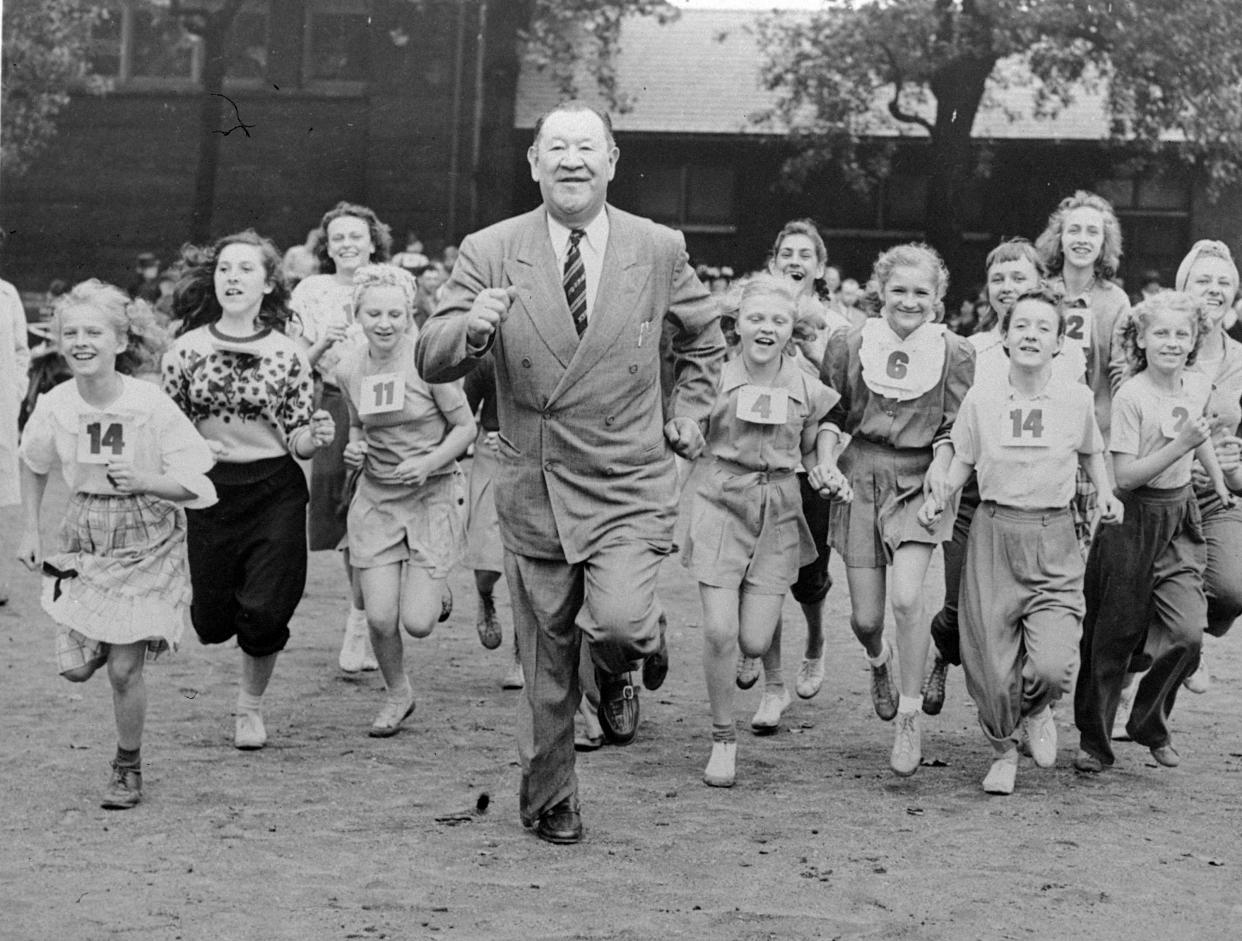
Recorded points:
406,524
1144,585
901,377
118,584
747,538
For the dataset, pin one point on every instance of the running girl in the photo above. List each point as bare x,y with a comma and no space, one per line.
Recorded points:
1021,596
1144,585
247,389
118,583
747,538
406,521
901,377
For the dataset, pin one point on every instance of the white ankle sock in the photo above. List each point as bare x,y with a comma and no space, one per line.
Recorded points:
248,703
909,703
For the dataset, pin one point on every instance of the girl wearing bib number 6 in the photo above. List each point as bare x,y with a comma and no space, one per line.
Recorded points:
406,524
747,537
118,584
1144,587
1021,602
901,377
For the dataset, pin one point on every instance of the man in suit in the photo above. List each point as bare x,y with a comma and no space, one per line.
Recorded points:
572,299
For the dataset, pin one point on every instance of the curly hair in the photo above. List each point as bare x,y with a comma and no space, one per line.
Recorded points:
1049,242
1044,295
390,276
381,234
194,299
913,255
134,321
1162,302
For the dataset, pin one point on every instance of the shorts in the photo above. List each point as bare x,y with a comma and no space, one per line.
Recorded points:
424,526
888,491
746,529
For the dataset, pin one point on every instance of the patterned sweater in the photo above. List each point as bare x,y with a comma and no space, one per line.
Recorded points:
251,394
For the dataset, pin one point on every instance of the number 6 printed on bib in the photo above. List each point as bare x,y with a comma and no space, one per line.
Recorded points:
104,438
383,392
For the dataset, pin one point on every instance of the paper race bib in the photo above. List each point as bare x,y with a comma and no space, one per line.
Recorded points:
383,392
1172,423
1025,426
104,438
1078,327
898,369
762,405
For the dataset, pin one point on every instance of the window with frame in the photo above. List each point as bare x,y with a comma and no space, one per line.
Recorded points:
691,197
143,44
337,41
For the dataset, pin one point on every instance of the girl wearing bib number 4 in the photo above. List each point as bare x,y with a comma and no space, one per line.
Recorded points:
1144,585
901,377
406,522
747,537
118,583
1021,604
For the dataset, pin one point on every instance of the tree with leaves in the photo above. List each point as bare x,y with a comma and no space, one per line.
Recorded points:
45,44
853,73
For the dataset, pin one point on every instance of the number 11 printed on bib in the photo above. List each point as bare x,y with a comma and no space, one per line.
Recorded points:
383,392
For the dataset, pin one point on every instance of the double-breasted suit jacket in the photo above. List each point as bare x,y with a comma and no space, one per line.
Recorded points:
584,461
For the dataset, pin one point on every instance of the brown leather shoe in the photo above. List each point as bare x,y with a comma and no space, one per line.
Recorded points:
561,823
933,689
618,707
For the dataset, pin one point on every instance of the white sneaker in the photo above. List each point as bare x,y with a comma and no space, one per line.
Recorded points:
515,678
1201,680
720,770
356,644
1041,732
1124,706
249,733
810,676
767,717
908,744
1000,777
396,709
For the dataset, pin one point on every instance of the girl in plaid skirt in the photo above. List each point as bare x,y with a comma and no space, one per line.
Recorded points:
117,583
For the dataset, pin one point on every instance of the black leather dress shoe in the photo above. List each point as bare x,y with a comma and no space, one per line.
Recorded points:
618,707
561,823
655,667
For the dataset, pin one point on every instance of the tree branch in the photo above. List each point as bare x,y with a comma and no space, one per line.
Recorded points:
894,104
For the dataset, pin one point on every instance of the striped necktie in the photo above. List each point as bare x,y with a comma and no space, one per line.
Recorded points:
575,281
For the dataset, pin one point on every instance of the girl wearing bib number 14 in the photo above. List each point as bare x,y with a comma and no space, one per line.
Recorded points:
406,522
747,537
901,377
118,584
1144,585
1021,604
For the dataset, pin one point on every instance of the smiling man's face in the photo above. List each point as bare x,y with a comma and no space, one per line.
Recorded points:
572,161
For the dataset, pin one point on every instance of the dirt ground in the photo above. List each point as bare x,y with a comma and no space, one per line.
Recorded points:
329,834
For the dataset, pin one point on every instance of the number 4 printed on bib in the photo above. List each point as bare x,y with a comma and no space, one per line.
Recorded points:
105,438
383,392
1023,427
761,405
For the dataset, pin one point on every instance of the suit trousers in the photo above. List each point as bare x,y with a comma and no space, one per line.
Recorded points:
1144,591
611,598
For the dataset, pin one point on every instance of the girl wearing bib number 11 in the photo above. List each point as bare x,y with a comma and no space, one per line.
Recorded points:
118,584
1021,604
901,377
406,522
1144,585
747,537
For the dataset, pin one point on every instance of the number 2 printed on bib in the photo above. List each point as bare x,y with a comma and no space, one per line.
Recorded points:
1023,426
105,438
1078,327
1173,422
383,392
761,405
